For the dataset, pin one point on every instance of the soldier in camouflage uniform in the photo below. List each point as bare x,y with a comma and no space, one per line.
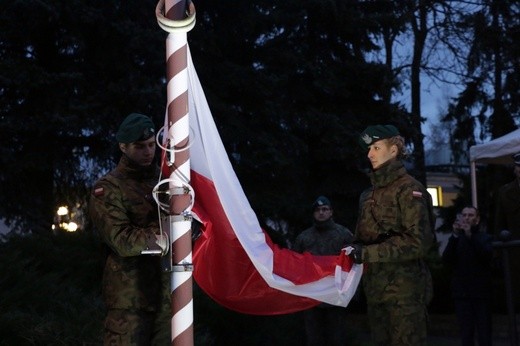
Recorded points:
324,324
135,288
507,217
507,211
393,235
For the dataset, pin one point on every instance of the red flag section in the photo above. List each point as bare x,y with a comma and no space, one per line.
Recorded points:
223,269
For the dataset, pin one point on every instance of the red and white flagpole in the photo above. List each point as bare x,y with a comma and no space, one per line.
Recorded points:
177,17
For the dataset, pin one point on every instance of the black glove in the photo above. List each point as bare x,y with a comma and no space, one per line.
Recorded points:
356,252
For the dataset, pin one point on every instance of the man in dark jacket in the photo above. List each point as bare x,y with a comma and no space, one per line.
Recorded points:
469,254
135,288
325,324
394,233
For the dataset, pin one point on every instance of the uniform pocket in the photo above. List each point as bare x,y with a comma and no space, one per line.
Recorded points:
387,218
116,325
116,329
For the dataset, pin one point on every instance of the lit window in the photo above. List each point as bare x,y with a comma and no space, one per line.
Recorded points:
436,193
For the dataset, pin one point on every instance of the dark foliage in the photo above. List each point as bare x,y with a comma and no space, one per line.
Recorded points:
288,84
290,94
50,290
69,72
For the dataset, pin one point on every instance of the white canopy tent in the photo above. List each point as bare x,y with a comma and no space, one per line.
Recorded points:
497,151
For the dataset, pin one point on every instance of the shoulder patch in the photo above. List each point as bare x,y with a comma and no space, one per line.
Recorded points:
417,193
99,191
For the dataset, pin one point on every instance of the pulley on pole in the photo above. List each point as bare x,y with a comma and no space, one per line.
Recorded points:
177,17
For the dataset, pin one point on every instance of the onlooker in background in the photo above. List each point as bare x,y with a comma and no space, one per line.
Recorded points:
136,290
325,324
393,235
507,216
469,254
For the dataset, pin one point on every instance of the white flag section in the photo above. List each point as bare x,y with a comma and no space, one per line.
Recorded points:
230,207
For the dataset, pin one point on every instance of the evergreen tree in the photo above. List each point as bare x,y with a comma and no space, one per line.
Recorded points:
291,99
70,71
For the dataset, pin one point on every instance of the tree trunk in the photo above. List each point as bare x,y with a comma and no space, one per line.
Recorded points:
419,27
501,122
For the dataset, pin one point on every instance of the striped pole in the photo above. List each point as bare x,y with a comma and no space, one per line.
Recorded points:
177,18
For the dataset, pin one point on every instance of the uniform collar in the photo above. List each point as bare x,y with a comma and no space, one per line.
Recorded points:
323,225
132,170
387,173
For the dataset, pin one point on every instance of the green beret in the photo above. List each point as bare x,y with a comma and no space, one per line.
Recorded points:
136,127
375,133
320,201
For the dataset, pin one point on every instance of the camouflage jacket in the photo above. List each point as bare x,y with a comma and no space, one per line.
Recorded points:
124,213
323,239
395,224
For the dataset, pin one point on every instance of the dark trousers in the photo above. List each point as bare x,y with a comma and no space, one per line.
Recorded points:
326,325
474,315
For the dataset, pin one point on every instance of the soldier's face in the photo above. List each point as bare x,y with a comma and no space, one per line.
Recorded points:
141,152
517,171
380,152
322,213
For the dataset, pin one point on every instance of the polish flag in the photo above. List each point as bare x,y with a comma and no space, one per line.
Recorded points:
235,261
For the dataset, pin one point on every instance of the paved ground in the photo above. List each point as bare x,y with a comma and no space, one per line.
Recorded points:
443,330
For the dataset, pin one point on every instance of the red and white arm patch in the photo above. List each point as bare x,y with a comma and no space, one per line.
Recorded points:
99,191
416,193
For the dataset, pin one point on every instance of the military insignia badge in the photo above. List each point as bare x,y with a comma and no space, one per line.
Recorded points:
366,138
147,133
99,192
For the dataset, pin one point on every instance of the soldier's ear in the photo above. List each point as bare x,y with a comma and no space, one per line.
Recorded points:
393,149
122,147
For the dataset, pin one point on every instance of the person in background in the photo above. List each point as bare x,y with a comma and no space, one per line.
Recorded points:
469,254
325,324
507,213
136,290
393,235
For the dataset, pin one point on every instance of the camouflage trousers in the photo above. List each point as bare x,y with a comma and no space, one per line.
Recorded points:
139,328
398,324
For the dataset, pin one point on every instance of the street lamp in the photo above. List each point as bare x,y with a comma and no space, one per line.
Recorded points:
62,211
63,220
71,227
